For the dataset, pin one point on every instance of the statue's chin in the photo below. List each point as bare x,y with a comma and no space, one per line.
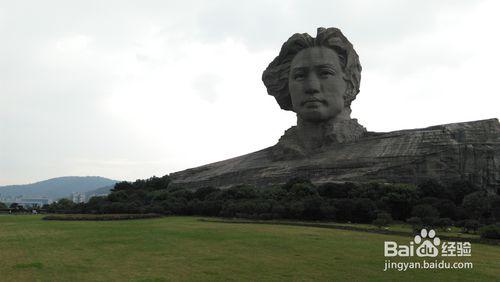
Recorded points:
315,116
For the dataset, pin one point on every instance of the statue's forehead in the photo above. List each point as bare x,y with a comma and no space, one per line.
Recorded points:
315,56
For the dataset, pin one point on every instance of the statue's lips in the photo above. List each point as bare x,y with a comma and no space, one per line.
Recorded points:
312,102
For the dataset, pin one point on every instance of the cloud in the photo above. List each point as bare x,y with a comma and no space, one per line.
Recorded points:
442,76
147,89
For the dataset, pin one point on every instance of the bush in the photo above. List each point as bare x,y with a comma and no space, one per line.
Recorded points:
490,231
424,211
238,193
99,217
343,209
312,208
328,210
460,189
383,219
443,223
300,191
477,204
432,188
335,190
295,209
470,225
297,180
399,199
202,193
364,210
495,208
415,222
447,209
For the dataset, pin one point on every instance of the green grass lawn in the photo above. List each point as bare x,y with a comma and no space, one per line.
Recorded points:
183,248
453,232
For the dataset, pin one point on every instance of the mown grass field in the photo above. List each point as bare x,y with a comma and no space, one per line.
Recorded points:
183,248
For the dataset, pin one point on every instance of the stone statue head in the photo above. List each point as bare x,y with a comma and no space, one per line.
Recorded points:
317,78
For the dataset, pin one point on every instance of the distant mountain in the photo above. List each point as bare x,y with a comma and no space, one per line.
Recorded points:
59,187
99,191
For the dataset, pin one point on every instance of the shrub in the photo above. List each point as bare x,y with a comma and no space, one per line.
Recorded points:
428,214
495,208
99,216
443,223
447,209
343,209
297,180
432,188
415,222
477,204
302,190
328,210
383,219
295,209
364,210
208,208
335,190
460,189
470,225
238,193
490,231
202,193
399,199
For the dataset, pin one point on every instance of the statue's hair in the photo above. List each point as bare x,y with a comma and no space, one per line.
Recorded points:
276,75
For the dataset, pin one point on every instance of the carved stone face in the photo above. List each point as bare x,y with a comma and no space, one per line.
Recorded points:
316,84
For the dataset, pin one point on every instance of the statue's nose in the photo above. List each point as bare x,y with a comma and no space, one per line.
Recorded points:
312,84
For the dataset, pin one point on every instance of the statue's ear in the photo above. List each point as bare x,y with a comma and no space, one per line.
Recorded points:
349,94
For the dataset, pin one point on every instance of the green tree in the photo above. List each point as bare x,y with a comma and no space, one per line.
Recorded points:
490,231
471,225
383,219
399,200
460,189
364,210
477,204
424,210
427,213
447,208
336,190
416,223
443,223
495,208
302,190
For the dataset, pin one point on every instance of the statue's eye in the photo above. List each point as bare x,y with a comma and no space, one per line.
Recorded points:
298,76
326,73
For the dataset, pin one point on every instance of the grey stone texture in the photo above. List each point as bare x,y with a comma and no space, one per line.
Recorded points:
318,78
447,153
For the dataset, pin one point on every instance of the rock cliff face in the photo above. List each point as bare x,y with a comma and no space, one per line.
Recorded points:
447,153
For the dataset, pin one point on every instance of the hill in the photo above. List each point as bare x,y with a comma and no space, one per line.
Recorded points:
59,187
99,191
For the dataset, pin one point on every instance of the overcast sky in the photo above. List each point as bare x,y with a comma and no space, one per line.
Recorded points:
132,89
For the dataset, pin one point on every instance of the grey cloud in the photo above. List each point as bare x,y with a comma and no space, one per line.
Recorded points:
264,24
49,113
205,86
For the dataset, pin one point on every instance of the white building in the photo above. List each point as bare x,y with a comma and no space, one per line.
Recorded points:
29,201
78,197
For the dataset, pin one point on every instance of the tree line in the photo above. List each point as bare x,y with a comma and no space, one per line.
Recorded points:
426,204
